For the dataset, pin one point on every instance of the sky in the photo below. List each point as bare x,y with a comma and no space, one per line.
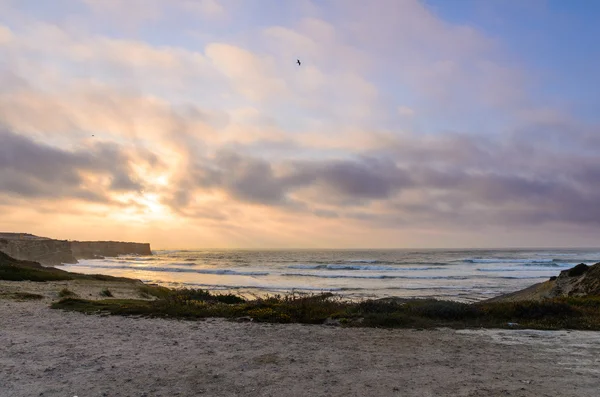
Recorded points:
409,123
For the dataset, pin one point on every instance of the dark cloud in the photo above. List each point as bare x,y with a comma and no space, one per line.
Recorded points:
36,170
366,179
453,179
255,180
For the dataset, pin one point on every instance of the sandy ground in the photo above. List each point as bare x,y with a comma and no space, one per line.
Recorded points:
45,352
86,289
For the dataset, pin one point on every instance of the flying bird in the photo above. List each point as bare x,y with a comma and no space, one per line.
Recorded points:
298,62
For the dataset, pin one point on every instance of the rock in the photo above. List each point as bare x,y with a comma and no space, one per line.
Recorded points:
577,270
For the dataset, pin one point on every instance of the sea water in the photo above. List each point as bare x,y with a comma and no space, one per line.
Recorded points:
462,275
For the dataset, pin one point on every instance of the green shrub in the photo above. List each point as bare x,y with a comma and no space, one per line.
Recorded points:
529,310
65,292
443,310
21,296
106,292
155,291
189,294
378,306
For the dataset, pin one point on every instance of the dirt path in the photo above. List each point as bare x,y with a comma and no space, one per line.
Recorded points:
45,352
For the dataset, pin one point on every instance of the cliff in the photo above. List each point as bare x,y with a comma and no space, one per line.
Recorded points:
579,281
33,248
51,252
95,249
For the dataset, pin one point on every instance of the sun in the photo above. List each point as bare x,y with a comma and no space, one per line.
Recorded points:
142,207
153,205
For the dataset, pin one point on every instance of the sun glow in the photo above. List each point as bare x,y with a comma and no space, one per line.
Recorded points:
142,207
153,204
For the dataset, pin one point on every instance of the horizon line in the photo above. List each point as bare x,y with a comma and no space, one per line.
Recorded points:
372,249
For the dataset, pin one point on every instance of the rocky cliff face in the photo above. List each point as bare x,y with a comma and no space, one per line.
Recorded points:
32,248
51,252
582,280
95,249
579,281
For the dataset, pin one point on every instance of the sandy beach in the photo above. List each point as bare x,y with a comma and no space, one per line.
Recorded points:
45,352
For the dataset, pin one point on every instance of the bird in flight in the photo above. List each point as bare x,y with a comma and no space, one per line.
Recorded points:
298,62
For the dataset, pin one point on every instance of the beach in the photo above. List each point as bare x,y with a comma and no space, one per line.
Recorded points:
45,352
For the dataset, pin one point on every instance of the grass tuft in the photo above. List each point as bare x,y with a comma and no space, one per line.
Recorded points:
65,292
22,296
149,291
106,292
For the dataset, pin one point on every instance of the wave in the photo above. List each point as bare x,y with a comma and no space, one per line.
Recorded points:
501,260
585,260
553,264
125,261
441,287
378,276
270,287
137,258
183,270
513,269
384,276
333,266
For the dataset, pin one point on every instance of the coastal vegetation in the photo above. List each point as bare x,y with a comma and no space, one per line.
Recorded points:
106,293
191,304
65,292
21,296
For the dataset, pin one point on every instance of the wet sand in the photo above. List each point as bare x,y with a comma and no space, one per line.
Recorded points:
45,352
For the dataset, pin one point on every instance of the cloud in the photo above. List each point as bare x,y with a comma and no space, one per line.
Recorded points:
207,8
250,74
405,111
36,170
137,10
5,35
141,12
438,181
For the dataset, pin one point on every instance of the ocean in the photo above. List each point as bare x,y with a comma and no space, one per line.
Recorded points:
461,275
